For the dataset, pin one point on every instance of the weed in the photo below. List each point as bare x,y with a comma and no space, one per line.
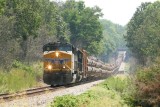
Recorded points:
65,101
20,77
115,83
148,85
106,94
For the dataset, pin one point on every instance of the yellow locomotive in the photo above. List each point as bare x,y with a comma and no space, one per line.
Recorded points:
63,63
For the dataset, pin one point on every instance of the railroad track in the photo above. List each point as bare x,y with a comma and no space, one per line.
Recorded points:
40,90
36,91
29,92
115,71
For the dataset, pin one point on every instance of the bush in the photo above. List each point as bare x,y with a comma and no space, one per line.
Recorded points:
16,80
103,95
116,83
18,64
148,85
65,101
20,77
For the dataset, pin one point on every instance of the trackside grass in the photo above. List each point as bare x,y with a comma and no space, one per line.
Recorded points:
110,93
20,77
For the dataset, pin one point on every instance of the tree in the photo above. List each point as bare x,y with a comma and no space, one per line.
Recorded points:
142,31
52,19
8,46
84,25
27,20
113,37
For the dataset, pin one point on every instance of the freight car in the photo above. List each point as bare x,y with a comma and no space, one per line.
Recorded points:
65,64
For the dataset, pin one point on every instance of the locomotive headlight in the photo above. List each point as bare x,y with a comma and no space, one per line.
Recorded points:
49,67
57,54
64,67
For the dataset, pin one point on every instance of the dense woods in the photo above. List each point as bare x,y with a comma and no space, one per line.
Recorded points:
143,39
26,25
143,32
113,38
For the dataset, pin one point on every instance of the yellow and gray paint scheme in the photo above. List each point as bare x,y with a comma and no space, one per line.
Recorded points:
65,64
59,64
57,61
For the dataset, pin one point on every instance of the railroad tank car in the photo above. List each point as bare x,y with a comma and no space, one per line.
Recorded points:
65,64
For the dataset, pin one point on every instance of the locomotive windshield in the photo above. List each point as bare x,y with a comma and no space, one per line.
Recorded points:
60,47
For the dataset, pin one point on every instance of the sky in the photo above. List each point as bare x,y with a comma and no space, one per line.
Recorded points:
117,11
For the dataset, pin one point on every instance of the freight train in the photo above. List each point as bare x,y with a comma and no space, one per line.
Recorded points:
66,64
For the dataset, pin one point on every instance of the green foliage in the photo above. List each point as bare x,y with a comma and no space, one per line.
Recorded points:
115,83
16,80
27,18
6,28
145,89
112,38
3,85
8,46
83,24
143,31
20,77
53,20
95,48
2,6
113,33
18,64
98,96
26,21
66,101
21,20
69,21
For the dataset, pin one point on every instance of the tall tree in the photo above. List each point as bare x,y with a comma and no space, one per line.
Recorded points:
113,37
84,25
52,19
142,31
27,20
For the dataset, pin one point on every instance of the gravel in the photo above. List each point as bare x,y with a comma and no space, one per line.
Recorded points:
45,99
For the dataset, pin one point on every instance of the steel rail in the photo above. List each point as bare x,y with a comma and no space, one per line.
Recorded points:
39,90
32,91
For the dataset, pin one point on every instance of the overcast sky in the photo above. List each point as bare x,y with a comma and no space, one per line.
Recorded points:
117,11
